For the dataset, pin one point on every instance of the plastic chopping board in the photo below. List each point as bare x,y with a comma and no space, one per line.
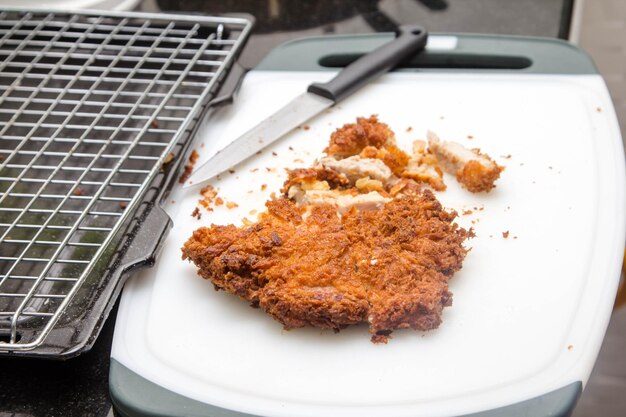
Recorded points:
530,310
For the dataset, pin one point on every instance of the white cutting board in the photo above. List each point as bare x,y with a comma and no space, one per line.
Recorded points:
529,311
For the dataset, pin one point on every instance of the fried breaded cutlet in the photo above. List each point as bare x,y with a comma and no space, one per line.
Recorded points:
310,266
357,238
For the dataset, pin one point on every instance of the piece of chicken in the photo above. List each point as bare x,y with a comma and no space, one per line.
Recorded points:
351,138
356,167
388,267
474,170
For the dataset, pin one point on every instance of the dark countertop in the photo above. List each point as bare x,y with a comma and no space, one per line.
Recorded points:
79,386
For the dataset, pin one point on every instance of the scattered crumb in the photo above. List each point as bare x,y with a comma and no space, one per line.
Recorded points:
514,237
549,167
123,205
202,145
470,137
196,213
506,156
254,169
291,148
467,212
259,152
193,158
306,127
219,201
505,234
599,109
250,191
490,235
270,169
273,195
252,212
298,160
521,164
173,201
263,187
231,205
77,191
408,129
168,158
232,171
274,154
570,347
246,221
441,117
218,177
209,196
154,123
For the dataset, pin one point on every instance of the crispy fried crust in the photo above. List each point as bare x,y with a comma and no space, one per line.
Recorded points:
352,138
388,267
476,177
310,175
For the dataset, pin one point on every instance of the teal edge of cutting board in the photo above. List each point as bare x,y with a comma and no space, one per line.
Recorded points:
135,396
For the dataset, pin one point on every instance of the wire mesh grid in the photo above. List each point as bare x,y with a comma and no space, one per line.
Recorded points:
91,107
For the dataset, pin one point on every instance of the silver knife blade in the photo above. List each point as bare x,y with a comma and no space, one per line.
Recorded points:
297,112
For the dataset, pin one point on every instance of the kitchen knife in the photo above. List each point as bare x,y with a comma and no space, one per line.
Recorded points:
409,40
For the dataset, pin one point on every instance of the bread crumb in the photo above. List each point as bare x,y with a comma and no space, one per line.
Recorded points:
470,137
408,129
232,171
274,154
123,205
231,205
298,160
467,212
599,109
77,191
273,195
291,148
306,127
505,234
196,213
154,123
193,158
219,201
252,212
570,347
263,187
254,169
506,156
202,145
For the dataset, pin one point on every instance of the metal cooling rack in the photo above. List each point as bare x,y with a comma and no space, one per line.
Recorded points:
91,108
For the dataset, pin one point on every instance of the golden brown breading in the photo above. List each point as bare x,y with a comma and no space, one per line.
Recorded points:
310,175
388,267
352,138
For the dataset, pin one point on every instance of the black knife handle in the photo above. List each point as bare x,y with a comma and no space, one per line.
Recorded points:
409,40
